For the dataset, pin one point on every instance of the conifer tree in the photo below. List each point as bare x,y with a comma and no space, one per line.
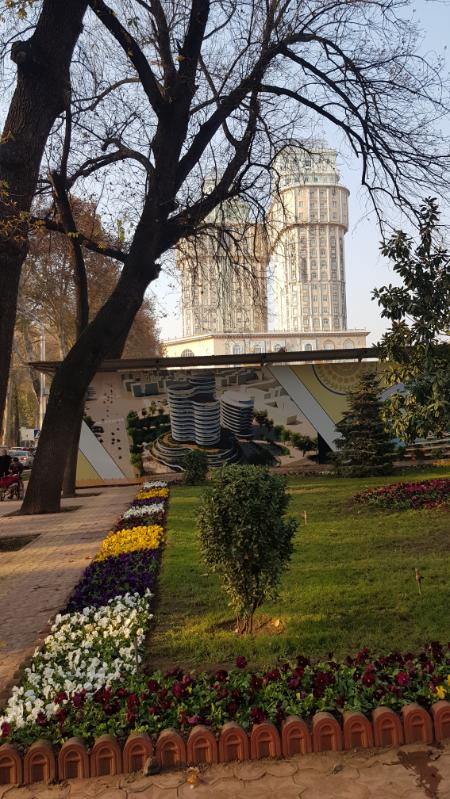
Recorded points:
364,447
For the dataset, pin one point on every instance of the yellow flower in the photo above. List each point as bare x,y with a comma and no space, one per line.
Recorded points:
130,540
440,692
150,493
298,695
448,679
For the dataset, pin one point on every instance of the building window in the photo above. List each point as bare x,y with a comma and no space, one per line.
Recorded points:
187,354
308,347
348,344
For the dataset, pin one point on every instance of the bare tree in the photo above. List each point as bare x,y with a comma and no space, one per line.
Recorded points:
42,92
201,87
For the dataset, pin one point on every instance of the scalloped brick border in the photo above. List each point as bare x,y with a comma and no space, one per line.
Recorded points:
324,733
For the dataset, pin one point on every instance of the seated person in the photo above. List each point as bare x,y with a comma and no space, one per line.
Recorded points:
16,467
5,463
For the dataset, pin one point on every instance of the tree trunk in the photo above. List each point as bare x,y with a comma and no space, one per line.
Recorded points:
70,472
72,380
34,375
42,92
9,287
82,308
12,415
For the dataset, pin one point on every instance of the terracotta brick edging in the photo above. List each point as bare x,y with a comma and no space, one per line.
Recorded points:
325,733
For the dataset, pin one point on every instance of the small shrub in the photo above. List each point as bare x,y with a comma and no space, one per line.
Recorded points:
195,466
89,421
245,536
278,432
303,443
136,460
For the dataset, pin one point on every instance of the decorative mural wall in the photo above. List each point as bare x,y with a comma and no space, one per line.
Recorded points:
211,409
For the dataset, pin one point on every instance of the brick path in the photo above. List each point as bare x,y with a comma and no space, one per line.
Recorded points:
411,772
36,581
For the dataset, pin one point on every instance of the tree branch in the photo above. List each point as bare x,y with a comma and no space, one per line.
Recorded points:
79,267
132,51
121,154
85,241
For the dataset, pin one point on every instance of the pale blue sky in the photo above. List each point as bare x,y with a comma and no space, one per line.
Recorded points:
365,266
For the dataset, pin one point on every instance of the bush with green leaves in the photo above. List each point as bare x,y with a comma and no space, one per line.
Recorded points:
245,535
195,465
304,443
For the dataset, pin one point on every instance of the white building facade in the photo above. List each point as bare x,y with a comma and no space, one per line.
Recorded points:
269,341
223,275
309,219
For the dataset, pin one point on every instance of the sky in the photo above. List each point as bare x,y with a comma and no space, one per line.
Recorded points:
365,267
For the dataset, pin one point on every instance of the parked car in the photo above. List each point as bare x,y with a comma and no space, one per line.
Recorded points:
25,458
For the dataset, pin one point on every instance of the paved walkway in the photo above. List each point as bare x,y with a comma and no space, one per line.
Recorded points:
412,772
36,581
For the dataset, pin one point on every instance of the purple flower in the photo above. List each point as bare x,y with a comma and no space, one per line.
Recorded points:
241,662
105,579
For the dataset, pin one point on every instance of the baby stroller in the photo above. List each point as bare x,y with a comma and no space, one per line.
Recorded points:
11,487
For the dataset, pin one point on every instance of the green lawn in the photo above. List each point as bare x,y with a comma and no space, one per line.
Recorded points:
350,583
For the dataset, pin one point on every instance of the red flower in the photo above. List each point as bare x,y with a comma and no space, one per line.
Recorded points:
221,675
177,690
257,714
402,679
132,700
241,662
6,729
153,686
61,715
272,676
368,678
79,698
255,683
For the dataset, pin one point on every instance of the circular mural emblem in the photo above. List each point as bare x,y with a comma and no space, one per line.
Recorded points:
340,378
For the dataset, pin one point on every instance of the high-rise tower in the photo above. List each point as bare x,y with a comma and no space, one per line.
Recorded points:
223,275
309,218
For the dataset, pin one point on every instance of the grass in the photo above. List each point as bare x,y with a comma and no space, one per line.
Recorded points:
350,583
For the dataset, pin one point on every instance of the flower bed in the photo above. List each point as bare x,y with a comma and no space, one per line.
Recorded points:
88,678
401,496
95,647
131,540
120,701
129,572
